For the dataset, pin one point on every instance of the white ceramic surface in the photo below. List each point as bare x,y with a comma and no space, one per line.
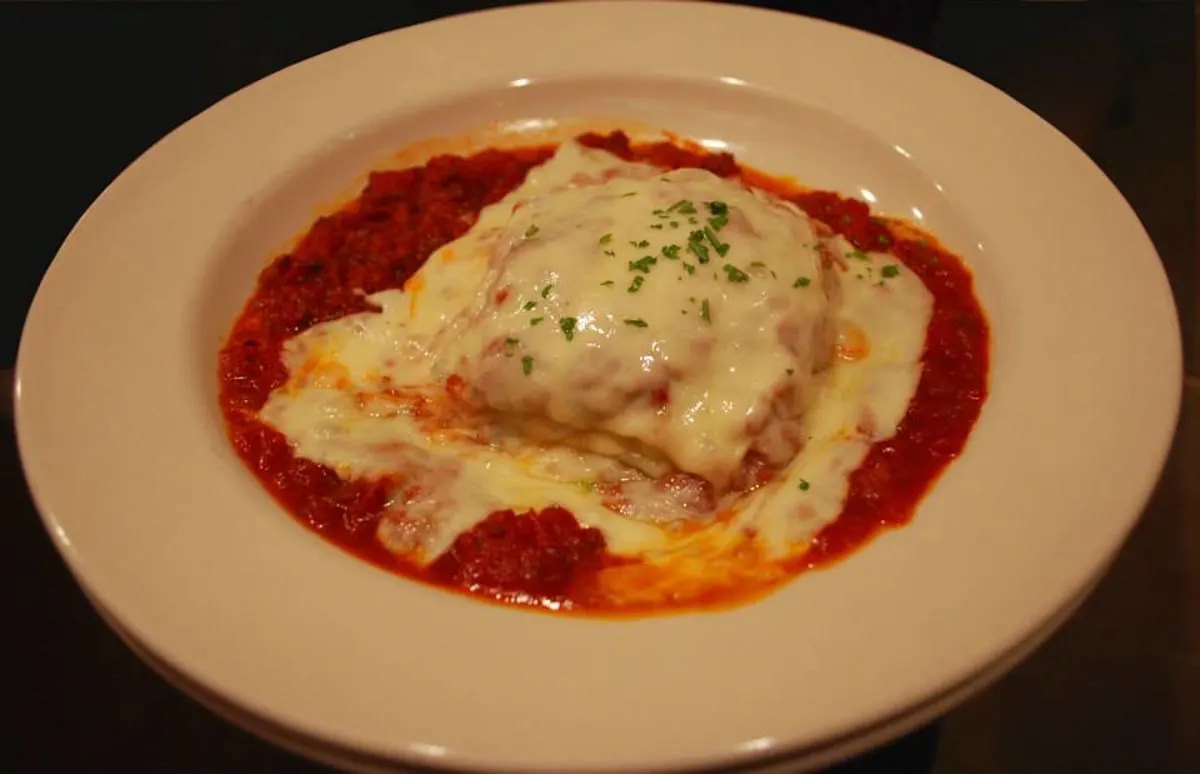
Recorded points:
125,453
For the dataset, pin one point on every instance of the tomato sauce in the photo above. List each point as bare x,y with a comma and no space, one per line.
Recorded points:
547,559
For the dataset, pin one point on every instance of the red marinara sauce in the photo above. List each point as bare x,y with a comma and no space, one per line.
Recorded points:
547,559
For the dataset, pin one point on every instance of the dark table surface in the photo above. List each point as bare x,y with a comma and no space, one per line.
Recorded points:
89,86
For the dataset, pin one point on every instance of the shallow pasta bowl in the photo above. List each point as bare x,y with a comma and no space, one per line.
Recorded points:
127,459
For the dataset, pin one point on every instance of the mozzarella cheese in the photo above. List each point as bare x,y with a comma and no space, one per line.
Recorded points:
603,325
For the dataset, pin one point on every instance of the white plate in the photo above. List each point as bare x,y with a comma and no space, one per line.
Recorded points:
126,457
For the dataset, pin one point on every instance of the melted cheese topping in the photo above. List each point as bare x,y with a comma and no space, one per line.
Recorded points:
601,295
528,361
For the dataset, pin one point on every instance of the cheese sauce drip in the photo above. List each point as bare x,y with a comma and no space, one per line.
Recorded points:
609,321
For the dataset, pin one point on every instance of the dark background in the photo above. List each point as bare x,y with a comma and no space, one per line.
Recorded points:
89,86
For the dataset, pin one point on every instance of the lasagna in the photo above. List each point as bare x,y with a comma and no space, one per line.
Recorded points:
603,377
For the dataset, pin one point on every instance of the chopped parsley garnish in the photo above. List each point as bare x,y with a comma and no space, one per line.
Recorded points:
606,239
789,371
636,322
640,245
674,224
801,282
606,283
804,485
683,207
546,291
536,320
656,226
529,305
704,312
697,247
531,231
718,245
757,265
720,214
689,268
859,254
627,194
610,253
735,274
527,364
636,285
671,251
643,264
568,327
884,240
509,345
889,271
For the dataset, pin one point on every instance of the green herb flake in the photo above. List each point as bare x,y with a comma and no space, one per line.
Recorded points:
642,245
804,485
643,264
859,254
801,282
636,285
606,239
529,305
884,239
671,251
636,322
656,226
734,274
705,314
627,194
689,268
683,207
527,364
720,215
790,371
536,320
568,327
546,291
674,224
610,253
697,247
531,232
889,271
718,245
607,283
